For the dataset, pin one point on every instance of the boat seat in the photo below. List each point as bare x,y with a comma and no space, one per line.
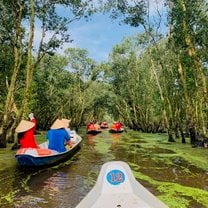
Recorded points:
44,145
36,151
42,152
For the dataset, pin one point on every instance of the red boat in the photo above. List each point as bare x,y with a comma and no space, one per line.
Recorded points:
116,127
93,128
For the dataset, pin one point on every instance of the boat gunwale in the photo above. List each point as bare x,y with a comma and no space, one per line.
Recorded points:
53,159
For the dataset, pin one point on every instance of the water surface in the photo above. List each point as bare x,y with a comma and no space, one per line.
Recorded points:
161,170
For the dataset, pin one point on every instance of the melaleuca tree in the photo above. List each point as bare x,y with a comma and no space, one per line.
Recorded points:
188,26
28,16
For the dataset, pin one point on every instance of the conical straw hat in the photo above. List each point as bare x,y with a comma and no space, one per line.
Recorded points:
24,126
66,122
58,124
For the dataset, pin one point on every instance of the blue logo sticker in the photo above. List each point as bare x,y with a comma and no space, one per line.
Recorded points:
115,177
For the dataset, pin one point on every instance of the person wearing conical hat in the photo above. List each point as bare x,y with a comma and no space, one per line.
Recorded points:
58,137
90,126
26,138
118,125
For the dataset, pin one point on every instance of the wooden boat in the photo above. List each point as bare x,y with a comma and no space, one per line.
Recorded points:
117,187
37,157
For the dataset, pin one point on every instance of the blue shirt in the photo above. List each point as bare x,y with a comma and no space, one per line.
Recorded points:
57,138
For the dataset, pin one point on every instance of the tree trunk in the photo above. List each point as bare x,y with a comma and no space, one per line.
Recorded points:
193,55
29,67
192,131
176,133
183,138
170,135
3,141
198,71
9,104
10,135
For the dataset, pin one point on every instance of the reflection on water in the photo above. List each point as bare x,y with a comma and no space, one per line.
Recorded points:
66,184
115,137
90,138
55,183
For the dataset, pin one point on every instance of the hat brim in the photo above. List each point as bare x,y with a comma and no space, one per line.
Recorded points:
66,122
24,126
58,124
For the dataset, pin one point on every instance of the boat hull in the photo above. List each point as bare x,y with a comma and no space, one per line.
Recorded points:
113,131
28,160
94,132
103,127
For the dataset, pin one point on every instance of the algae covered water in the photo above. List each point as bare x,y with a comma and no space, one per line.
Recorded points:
174,172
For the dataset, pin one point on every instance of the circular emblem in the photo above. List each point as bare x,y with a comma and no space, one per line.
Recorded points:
115,177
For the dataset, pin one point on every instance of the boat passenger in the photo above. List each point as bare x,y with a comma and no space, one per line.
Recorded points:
104,124
26,137
118,126
90,126
97,126
58,137
113,125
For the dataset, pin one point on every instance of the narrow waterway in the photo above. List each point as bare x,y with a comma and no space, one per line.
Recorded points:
64,185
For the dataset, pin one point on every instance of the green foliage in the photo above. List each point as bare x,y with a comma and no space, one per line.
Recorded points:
16,45
188,20
64,88
6,51
52,82
131,78
129,12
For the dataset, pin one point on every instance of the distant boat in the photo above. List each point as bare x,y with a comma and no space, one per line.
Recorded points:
93,128
116,127
117,187
104,125
38,157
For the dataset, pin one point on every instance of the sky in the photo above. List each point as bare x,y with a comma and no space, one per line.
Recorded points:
99,35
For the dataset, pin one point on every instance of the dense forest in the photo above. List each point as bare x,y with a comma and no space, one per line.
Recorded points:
155,81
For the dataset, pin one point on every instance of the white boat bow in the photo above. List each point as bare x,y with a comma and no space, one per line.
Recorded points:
117,187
